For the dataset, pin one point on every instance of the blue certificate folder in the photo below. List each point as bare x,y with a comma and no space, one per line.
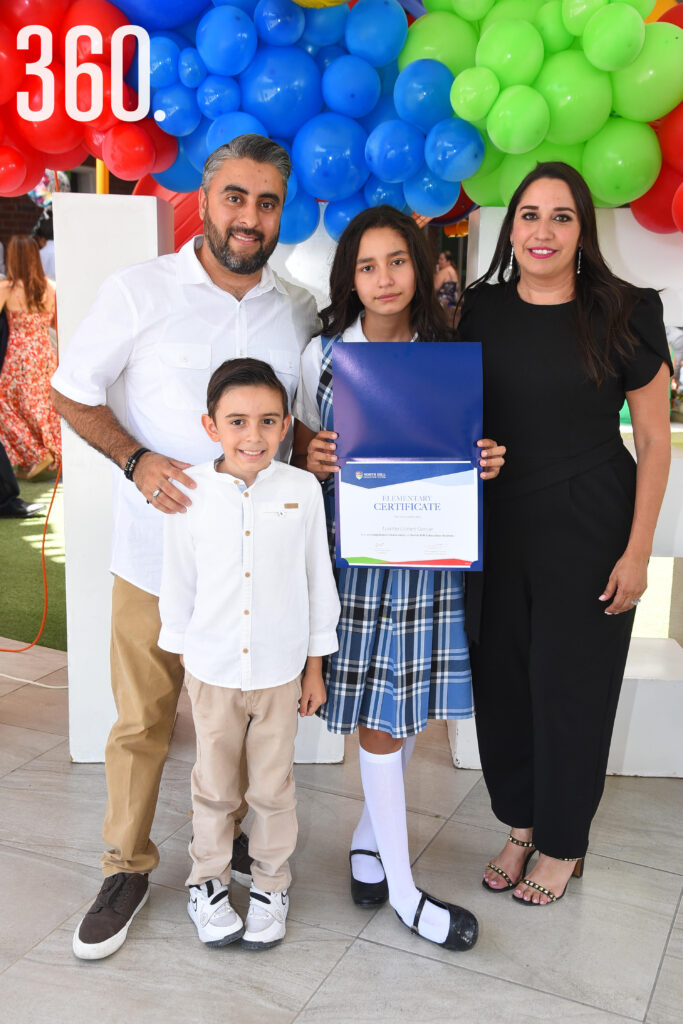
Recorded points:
413,403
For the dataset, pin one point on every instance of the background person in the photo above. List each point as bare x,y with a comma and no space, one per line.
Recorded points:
569,527
447,285
29,426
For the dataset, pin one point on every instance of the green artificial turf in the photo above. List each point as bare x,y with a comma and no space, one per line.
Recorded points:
21,593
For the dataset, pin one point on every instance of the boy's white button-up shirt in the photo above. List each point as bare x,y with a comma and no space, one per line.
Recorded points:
155,334
247,589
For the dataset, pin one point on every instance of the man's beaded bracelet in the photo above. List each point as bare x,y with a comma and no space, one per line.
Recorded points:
132,462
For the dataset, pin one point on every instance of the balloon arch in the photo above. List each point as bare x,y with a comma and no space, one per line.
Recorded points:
433,106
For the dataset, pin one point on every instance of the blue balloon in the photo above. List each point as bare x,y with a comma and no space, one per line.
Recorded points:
181,115
189,28
292,187
328,156
229,126
422,93
181,176
338,215
351,86
279,22
388,75
308,48
326,54
226,40
249,6
384,110
163,61
429,195
285,143
454,149
152,15
281,87
376,30
395,150
380,193
325,27
218,95
191,67
196,145
299,219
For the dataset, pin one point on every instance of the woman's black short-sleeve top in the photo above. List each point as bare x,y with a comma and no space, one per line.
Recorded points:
538,400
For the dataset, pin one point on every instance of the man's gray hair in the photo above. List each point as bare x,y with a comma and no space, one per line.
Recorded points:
248,147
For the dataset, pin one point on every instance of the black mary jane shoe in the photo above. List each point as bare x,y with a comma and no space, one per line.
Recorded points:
463,930
368,894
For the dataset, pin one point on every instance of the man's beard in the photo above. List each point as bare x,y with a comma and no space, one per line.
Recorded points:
220,247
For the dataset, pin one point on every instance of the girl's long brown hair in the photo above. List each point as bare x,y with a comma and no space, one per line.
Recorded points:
427,318
23,264
604,301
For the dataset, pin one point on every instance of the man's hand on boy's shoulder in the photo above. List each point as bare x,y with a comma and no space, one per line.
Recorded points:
313,693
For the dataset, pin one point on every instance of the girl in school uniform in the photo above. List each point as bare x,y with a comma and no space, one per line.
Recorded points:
402,655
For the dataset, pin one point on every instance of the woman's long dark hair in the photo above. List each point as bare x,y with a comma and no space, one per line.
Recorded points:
23,264
603,301
427,319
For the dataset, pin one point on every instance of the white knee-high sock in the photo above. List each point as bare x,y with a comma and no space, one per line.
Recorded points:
382,776
368,869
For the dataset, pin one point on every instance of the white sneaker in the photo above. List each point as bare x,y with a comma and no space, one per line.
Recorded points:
209,907
265,923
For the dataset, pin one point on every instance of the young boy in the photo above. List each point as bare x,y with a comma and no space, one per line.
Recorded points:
248,600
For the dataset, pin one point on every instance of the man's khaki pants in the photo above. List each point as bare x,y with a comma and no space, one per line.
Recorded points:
146,684
262,723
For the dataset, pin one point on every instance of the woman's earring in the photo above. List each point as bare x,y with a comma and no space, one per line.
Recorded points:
512,260
578,260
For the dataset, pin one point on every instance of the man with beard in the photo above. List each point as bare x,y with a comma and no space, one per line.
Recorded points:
163,327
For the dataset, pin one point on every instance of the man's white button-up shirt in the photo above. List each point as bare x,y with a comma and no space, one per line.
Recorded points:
160,329
247,589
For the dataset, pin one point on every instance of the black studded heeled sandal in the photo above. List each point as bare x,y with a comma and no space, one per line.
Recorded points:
552,898
368,894
503,874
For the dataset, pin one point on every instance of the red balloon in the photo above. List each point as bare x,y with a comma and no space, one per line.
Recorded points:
166,146
59,133
653,209
36,162
107,119
463,207
11,64
12,169
677,208
93,139
674,15
670,135
103,16
17,13
67,161
128,151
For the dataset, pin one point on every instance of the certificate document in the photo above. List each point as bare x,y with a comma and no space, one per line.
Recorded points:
408,416
409,513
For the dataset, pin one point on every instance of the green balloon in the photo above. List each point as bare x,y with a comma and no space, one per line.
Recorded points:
518,120
438,5
440,36
614,37
549,23
577,13
512,10
471,10
513,50
622,161
515,168
473,93
578,95
644,7
653,84
484,189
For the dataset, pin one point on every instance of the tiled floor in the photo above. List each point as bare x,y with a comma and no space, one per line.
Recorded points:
613,951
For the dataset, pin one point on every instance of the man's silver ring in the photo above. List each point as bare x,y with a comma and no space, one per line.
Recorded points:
637,601
155,494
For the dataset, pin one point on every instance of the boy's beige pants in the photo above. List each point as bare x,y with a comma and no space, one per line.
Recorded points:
263,723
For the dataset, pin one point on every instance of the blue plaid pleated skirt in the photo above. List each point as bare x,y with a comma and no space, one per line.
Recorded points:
403,655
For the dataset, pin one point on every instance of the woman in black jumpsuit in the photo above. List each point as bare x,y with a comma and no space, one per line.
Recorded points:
569,524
